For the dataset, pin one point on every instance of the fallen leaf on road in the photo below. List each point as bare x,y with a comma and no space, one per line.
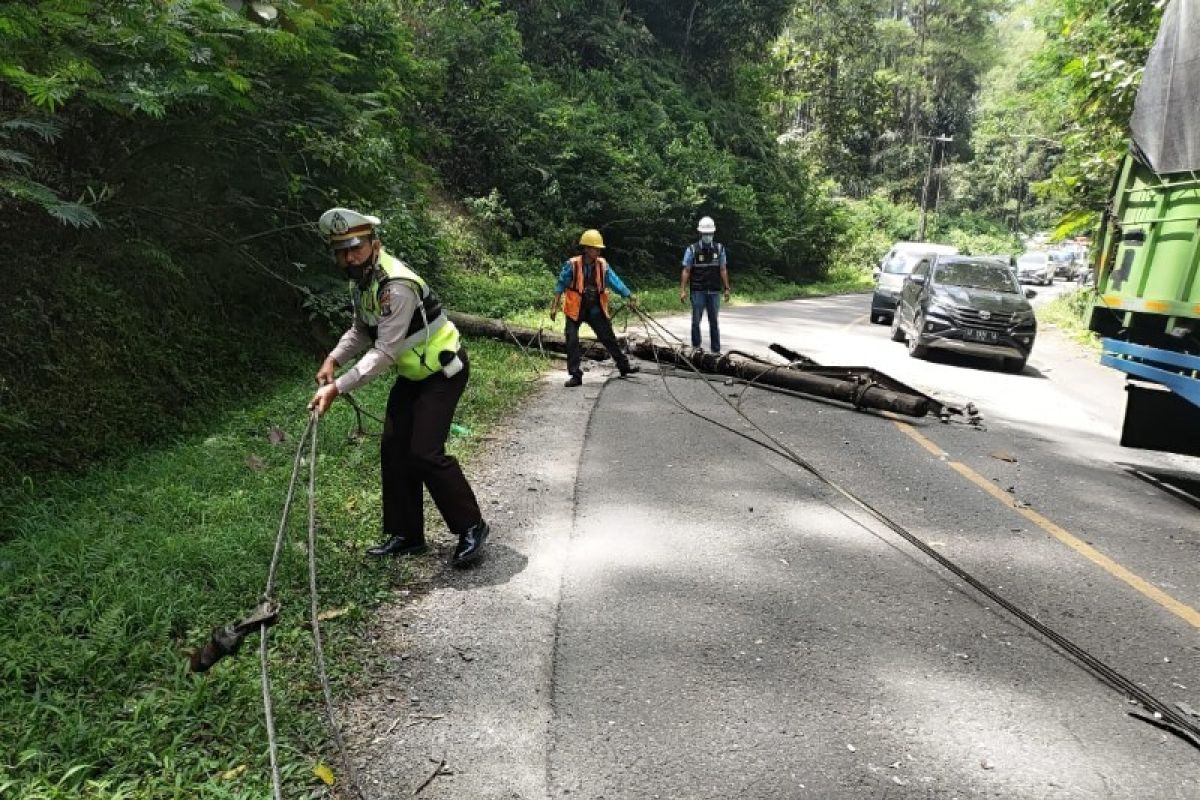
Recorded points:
236,772
324,773
334,613
1002,455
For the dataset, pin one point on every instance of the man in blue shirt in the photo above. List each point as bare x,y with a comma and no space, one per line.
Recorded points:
704,268
585,280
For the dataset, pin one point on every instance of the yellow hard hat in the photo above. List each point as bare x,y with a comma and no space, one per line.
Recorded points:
591,238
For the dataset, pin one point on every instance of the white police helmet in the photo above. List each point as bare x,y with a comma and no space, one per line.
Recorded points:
343,228
706,225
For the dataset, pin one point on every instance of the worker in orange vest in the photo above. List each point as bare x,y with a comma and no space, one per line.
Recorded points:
585,280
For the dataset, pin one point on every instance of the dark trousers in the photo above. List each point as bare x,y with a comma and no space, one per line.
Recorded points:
412,456
602,326
710,303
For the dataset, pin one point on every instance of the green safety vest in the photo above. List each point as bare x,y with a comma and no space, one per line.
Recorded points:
429,334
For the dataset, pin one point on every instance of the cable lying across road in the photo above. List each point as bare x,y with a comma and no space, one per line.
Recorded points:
1156,713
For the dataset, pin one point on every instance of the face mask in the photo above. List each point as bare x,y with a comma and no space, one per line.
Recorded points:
706,238
359,272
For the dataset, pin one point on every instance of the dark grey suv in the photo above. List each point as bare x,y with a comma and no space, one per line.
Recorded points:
966,305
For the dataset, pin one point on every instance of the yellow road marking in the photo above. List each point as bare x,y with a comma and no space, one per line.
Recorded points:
855,321
1179,609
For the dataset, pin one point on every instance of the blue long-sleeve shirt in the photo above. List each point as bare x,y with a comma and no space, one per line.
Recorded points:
611,279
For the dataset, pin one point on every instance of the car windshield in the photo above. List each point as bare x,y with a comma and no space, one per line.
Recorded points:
975,275
901,263
1032,259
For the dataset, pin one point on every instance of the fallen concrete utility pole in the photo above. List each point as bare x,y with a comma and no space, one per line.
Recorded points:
861,387
497,329
853,385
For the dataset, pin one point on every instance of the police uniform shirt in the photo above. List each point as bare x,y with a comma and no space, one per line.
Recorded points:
398,302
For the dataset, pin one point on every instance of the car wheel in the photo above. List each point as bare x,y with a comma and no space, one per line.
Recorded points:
1014,364
897,333
915,348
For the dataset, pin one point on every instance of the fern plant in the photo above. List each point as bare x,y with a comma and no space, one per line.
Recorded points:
16,185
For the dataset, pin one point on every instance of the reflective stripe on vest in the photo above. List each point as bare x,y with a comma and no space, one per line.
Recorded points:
429,333
573,301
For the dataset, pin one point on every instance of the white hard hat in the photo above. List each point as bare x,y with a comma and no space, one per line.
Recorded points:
344,228
706,225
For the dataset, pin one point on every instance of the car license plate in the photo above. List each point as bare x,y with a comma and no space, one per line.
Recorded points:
980,335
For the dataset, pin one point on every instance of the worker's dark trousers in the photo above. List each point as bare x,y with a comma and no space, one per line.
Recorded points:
603,329
412,455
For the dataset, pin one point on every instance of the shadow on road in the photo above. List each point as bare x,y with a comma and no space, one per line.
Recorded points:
979,363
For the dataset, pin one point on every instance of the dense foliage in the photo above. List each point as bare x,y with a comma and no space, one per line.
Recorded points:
867,84
1036,95
161,165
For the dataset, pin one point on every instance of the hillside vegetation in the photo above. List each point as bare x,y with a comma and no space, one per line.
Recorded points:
162,165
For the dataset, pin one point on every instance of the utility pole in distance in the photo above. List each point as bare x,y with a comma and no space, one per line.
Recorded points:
933,140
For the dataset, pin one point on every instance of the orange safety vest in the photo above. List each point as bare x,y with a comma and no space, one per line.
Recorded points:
574,298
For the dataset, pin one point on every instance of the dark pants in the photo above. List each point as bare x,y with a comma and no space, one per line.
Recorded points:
603,329
412,455
702,302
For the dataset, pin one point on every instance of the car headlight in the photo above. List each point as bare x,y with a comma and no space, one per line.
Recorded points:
940,308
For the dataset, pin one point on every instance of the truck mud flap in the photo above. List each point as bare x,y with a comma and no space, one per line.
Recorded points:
1158,419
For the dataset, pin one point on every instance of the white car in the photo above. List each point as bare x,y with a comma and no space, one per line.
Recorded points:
893,269
1035,268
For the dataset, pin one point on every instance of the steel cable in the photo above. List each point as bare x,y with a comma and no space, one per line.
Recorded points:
318,649
1163,714
263,630
309,437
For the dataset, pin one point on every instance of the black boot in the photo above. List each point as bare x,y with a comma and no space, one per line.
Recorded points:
399,546
630,369
470,545
574,380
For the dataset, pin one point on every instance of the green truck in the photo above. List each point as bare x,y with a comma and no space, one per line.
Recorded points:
1147,301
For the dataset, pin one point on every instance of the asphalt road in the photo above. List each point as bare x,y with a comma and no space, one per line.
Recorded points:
671,610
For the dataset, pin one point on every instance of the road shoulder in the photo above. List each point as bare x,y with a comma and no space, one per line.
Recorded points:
463,676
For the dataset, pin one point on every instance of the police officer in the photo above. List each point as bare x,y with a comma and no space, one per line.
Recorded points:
585,280
704,269
400,325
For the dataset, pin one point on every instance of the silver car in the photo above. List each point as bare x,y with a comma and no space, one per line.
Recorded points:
1035,268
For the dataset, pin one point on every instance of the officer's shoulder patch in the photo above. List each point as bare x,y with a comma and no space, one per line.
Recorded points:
385,302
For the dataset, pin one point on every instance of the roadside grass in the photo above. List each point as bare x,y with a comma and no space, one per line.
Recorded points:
1069,313
109,579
